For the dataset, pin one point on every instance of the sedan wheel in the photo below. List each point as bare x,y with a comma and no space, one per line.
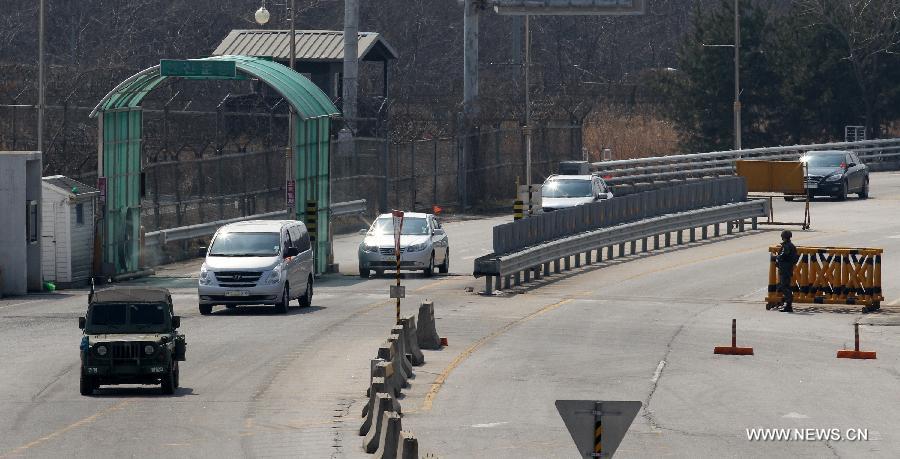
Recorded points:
444,268
842,195
429,271
864,192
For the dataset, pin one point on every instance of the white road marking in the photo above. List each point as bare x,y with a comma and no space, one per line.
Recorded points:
18,304
659,369
470,258
489,425
794,415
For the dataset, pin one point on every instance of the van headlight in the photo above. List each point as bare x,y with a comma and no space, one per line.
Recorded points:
205,275
417,247
369,248
274,276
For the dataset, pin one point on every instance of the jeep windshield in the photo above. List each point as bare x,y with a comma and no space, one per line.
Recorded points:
127,318
245,245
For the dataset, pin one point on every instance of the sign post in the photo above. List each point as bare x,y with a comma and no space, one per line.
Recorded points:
597,427
398,293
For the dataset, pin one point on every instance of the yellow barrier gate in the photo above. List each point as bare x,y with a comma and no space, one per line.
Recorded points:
831,275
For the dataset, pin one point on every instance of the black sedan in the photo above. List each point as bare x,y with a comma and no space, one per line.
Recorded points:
835,174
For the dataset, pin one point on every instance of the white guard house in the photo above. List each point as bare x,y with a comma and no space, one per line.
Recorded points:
67,231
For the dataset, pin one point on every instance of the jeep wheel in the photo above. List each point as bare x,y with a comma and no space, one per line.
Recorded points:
306,299
282,306
206,309
167,385
177,373
87,385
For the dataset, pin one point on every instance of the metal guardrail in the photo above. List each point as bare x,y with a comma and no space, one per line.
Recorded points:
631,171
689,195
182,233
537,259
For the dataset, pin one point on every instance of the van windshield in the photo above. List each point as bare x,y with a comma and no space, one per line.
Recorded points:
566,189
245,245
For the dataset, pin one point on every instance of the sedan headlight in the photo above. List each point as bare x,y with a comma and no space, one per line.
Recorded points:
149,349
100,350
417,247
274,276
369,248
205,275
834,178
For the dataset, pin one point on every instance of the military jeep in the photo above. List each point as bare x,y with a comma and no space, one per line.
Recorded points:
130,337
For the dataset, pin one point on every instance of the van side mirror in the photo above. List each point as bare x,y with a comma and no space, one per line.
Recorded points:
176,321
81,322
439,231
851,165
291,252
201,252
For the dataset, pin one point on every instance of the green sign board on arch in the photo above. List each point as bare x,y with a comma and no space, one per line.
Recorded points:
202,69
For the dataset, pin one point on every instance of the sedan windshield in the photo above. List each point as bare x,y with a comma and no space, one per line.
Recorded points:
566,189
834,160
245,245
411,226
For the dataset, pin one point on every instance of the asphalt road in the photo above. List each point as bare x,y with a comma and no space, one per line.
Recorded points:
642,328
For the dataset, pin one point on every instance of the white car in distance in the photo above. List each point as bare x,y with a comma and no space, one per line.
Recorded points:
424,245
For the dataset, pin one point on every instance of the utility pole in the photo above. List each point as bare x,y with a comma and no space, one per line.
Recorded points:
527,128
290,174
470,95
41,83
351,62
737,77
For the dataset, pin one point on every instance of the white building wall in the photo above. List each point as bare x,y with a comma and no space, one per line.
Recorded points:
81,247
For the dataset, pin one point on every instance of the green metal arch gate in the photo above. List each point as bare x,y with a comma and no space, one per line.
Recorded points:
120,120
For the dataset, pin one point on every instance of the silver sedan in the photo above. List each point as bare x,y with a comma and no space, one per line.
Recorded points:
423,246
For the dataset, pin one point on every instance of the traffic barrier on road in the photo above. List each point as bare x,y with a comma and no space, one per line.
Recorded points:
733,349
385,369
855,353
373,436
404,350
412,341
408,447
427,332
397,341
831,275
389,442
377,385
389,352
506,266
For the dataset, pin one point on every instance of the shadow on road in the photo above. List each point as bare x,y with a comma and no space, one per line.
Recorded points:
263,311
141,391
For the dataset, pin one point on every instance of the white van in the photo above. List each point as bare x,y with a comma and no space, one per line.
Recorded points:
257,262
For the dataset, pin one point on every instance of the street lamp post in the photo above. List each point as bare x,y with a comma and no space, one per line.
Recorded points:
41,83
737,74
262,17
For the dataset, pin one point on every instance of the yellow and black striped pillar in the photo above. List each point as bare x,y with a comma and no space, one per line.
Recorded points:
598,435
312,215
518,209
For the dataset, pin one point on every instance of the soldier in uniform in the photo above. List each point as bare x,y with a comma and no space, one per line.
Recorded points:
785,260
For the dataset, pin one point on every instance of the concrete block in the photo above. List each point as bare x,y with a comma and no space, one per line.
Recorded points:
373,436
427,332
412,343
389,352
397,339
389,442
377,386
408,447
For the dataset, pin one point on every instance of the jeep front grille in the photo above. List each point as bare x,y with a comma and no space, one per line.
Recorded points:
238,278
125,350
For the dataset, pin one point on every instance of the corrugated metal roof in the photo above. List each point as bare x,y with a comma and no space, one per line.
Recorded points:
307,99
312,45
68,185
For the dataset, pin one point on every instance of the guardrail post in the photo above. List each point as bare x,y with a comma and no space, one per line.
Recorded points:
644,243
679,237
730,227
537,272
655,242
633,247
507,282
622,249
587,257
754,224
577,260
547,268
497,283
488,285
741,225
716,230
556,266
693,234
668,239
528,275
609,253
519,278
704,233
567,262
599,254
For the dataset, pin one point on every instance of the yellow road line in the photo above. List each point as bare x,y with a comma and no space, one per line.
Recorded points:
65,429
434,284
439,382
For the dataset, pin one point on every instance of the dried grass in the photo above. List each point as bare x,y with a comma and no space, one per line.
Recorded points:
634,133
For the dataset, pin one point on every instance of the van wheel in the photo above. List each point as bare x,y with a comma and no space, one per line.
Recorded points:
87,385
363,273
281,307
306,299
206,309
